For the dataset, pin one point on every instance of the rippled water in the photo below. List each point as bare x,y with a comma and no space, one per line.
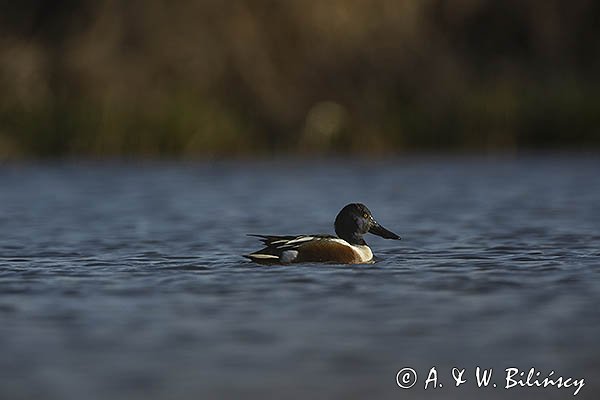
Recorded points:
125,281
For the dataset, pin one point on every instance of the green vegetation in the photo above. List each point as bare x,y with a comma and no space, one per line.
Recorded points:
238,78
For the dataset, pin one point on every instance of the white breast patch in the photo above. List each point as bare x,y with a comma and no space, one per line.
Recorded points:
363,252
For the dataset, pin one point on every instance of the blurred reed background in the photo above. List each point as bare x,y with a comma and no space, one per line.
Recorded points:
234,78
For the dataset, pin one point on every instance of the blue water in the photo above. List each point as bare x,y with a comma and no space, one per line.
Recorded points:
124,280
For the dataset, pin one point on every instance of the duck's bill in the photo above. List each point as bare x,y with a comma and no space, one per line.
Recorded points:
379,230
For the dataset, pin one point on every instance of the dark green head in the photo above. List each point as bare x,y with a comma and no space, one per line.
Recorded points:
355,220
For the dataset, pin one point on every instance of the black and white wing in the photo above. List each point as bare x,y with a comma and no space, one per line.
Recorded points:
281,249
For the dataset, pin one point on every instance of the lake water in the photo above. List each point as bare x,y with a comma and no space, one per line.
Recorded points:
125,281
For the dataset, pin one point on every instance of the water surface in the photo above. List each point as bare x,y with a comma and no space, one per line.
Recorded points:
125,281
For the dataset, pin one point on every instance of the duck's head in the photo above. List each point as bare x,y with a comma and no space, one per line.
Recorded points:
355,220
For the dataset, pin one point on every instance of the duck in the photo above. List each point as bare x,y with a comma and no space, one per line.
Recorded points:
348,247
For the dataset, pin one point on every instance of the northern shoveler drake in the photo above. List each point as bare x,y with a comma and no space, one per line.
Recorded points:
348,247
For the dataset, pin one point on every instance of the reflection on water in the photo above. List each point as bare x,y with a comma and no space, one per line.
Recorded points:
125,281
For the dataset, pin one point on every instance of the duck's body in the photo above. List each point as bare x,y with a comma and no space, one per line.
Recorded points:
310,248
347,248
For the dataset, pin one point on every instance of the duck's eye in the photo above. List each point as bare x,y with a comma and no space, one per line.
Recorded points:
365,215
